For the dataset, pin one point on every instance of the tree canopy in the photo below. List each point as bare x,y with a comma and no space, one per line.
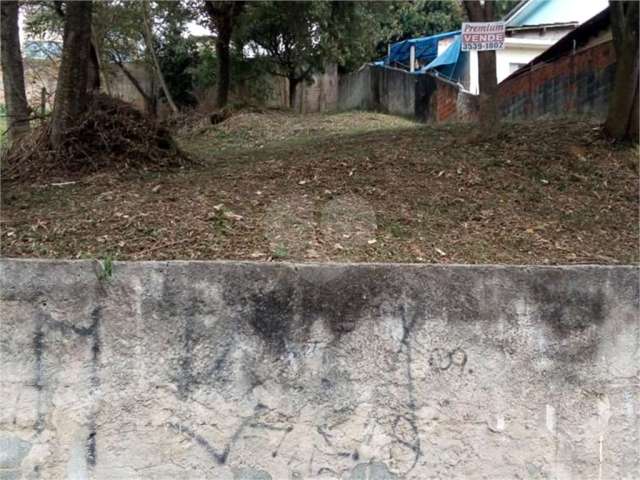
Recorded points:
420,18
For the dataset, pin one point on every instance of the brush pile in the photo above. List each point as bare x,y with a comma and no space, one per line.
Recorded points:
111,136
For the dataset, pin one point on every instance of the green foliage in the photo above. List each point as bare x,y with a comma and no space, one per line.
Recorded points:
280,252
171,17
219,222
287,35
41,19
286,38
250,83
179,58
249,80
106,269
206,71
117,28
352,30
420,18
401,20
116,24
296,39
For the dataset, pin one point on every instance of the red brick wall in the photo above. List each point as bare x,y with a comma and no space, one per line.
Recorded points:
577,83
572,84
446,101
451,104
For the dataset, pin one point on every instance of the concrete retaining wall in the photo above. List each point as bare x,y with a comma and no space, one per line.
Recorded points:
321,95
386,90
355,91
423,97
394,91
274,371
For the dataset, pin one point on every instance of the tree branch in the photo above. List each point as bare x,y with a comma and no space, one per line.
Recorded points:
134,81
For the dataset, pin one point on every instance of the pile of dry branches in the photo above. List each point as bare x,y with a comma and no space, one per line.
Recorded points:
112,135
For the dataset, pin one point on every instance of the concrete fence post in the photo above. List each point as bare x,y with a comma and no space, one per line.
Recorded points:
412,58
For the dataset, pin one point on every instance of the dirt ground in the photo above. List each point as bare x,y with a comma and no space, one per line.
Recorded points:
348,187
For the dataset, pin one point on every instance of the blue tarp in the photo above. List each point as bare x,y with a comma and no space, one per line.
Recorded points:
451,63
447,59
426,49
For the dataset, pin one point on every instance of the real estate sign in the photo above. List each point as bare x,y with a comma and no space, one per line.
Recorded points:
483,36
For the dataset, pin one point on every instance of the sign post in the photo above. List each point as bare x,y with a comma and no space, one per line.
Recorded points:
483,36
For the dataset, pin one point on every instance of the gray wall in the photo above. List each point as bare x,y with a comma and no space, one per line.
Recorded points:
395,91
386,90
321,94
355,91
280,371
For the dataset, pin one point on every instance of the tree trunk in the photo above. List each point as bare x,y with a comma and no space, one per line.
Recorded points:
101,70
71,92
148,38
489,119
293,87
223,14
93,82
151,106
12,71
634,124
224,66
622,121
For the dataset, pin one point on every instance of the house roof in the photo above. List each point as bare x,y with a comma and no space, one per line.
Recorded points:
545,12
572,40
544,26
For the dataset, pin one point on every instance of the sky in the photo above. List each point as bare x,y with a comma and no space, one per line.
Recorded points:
195,28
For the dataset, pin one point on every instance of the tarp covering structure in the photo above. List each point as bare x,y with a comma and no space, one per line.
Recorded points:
426,50
451,63
446,62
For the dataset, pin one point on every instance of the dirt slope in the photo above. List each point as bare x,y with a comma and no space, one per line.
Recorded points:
357,186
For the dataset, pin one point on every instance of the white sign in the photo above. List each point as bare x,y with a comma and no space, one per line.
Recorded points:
483,36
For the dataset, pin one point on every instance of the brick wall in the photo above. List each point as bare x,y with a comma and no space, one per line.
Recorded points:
449,103
578,83
446,101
